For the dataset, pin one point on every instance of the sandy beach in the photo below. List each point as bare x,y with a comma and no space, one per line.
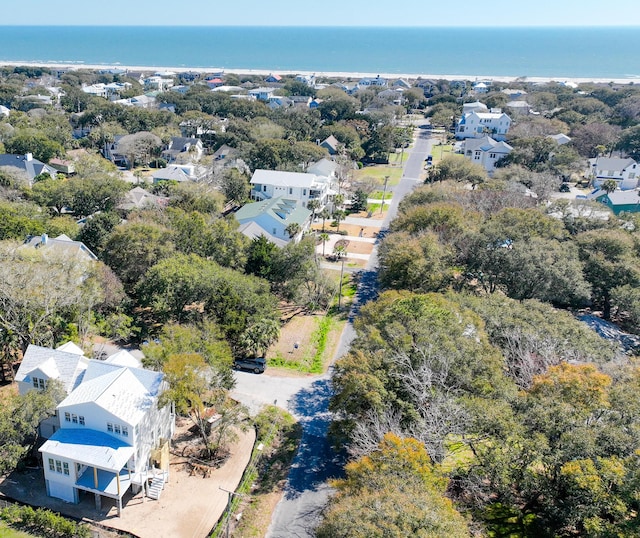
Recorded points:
321,74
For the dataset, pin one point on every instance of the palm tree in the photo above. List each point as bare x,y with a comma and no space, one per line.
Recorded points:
339,251
293,229
609,186
257,338
324,214
324,237
313,206
339,215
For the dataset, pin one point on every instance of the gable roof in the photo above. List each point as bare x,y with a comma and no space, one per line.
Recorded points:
68,368
32,167
332,142
252,230
486,143
613,163
62,244
124,392
324,167
170,173
138,198
70,347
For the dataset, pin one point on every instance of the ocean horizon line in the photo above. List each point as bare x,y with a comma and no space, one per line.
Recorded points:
333,26
350,75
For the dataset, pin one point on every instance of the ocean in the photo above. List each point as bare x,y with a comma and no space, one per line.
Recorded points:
603,53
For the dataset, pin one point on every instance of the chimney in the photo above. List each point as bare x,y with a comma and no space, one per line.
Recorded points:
29,156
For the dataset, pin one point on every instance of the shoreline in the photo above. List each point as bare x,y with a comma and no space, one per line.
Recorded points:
320,74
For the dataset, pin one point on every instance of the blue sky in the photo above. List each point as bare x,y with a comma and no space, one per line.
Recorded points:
325,13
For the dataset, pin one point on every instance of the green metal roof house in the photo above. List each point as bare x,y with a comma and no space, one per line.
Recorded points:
621,201
273,216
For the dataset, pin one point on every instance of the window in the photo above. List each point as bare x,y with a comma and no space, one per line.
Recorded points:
304,192
52,466
81,420
74,419
264,188
67,417
290,190
39,383
492,155
477,156
116,428
65,468
58,466
109,427
125,431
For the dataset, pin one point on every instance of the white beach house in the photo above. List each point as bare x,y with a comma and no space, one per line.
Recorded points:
108,434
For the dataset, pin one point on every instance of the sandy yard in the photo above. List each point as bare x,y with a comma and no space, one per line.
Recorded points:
189,506
300,330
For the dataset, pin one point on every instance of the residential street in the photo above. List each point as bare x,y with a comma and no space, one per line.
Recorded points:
307,398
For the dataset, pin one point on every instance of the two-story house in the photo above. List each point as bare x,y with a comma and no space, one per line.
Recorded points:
485,151
479,124
262,94
297,186
108,434
624,171
183,149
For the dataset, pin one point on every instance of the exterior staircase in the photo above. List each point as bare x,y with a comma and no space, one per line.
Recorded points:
156,487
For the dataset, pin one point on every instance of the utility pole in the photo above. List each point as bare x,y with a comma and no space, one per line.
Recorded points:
384,192
340,290
231,494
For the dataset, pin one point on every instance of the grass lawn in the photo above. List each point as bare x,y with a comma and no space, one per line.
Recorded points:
441,151
377,195
315,336
379,172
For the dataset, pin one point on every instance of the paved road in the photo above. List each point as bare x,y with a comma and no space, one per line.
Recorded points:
307,492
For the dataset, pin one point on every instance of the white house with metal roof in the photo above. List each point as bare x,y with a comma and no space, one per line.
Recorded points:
624,171
478,124
485,151
297,186
108,434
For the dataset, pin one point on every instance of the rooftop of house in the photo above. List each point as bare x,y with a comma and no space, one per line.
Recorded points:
612,163
279,208
323,167
331,141
27,163
253,230
486,143
278,178
125,392
90,447
620,197
62,243
138,198
68,367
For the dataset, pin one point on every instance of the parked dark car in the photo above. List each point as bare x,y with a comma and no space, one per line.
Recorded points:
257,366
